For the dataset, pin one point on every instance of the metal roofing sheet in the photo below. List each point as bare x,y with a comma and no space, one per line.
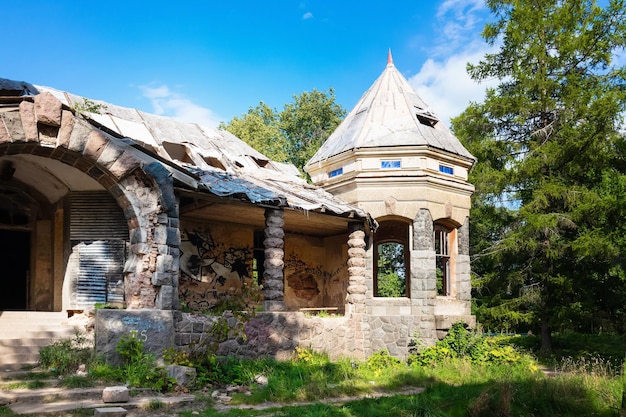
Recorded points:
388,114
246,175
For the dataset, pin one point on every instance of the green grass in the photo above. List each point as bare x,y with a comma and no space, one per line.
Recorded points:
32,384
457,388
463,375
74,381
487,379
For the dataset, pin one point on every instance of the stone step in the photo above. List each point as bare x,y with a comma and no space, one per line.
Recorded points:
56,400
33,315
18,360
24,333
33,339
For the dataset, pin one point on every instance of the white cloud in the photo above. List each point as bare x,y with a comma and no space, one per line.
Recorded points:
307,15
172,104
457,21
442,81
446,86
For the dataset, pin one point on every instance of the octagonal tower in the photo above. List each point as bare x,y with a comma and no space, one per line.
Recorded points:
393,157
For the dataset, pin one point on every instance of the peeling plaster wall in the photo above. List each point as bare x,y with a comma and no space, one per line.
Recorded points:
215,261
336,288
304,273
315,272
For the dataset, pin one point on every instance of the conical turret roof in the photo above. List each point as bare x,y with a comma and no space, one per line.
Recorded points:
390,114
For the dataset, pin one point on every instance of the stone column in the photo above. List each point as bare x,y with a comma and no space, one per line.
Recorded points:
165,276
273,285
463,270
423,276
360,344
356,268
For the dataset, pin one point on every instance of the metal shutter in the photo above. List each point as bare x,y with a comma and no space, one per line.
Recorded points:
95,215
99,236
99,275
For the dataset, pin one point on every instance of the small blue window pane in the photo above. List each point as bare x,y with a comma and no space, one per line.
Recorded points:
446,170
390,164
335,172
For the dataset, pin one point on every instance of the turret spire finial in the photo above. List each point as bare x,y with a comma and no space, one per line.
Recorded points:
389,58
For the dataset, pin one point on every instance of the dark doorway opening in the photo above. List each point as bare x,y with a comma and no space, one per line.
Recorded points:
14,269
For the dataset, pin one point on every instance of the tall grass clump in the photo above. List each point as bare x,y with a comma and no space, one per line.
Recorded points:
308,376
65,356
140,369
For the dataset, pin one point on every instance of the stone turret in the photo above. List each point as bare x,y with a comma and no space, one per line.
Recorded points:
393,157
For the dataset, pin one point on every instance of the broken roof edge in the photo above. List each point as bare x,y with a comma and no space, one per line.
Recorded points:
253,186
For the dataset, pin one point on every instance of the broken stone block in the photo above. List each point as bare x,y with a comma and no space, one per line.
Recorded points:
110,412
115,395
48,109
184,375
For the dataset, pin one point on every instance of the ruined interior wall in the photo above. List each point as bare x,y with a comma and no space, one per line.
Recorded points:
336,288
315,272
215,261
41,282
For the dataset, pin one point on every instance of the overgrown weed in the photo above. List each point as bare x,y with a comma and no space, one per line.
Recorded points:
65,356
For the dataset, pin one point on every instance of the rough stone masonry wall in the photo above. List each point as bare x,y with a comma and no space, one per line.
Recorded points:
277,334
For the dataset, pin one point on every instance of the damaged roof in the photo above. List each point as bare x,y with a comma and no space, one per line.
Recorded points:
220,163
390,113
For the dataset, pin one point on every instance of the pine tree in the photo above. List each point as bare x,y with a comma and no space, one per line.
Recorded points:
551,176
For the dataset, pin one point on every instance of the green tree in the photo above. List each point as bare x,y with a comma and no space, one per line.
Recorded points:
259,128
307,122
548,239
391,279
294,134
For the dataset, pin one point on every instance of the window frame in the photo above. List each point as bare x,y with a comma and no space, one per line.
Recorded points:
392,231
443,258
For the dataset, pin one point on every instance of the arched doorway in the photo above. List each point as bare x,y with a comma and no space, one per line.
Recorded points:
15,261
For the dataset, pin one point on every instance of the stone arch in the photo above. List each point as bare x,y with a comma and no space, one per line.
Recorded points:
391,257
142,186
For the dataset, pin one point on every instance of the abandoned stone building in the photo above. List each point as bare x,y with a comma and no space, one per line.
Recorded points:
162,219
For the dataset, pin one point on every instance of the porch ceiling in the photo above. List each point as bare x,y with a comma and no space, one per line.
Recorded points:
296,221
49,177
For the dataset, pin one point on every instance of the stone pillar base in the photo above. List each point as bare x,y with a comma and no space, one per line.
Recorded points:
273,305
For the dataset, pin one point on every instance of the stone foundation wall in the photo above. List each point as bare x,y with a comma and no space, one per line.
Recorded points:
277,334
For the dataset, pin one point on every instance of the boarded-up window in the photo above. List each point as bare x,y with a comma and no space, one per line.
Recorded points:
99,236
99,272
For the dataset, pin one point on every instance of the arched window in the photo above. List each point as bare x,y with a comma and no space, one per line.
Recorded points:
391,259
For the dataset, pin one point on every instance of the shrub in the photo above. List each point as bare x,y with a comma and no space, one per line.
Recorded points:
478,349
382,360
140,368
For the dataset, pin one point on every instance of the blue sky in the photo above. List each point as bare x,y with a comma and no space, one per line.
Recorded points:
207,61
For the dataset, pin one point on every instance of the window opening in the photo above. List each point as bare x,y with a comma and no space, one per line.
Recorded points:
391,255
390,164
335,173
442,255
391,271
425,117
446,169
